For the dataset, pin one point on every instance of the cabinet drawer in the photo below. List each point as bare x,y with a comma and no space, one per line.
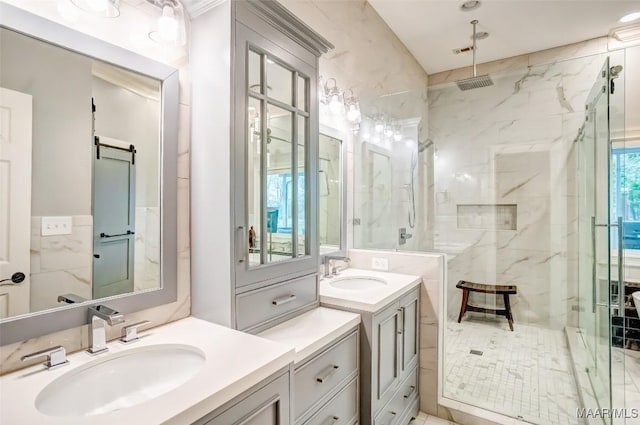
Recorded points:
268,405
264,304
341,409
322,375
402,399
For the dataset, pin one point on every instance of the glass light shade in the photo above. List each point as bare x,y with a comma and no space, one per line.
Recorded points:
397,137
103,8
335,105
388,131
168,24
353,114
378,126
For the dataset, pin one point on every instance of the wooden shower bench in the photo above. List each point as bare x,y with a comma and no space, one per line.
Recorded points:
504,290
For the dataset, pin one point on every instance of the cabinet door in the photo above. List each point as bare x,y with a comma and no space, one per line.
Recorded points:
275,137
409,315
267,406
386,352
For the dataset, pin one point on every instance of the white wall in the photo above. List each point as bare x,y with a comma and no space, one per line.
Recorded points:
60,83
211,156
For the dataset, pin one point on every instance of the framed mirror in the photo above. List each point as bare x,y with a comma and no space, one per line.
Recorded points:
332,190
88,148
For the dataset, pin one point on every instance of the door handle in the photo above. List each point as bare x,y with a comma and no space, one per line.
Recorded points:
593,264
129,232
620,268
15,279
240,241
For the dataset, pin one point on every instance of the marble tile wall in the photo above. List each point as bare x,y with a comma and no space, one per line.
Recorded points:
117,32
513,143
146,270
60,264
369,59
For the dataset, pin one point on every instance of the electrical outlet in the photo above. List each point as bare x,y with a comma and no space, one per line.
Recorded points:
381,264
56,226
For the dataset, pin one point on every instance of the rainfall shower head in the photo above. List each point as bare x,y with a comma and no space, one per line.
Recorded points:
476,81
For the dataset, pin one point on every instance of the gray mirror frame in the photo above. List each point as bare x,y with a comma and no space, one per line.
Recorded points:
339,135
19,328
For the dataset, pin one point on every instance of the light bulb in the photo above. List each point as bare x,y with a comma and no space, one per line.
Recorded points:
335,105
168,24
388,131
397,137
378,126
353,114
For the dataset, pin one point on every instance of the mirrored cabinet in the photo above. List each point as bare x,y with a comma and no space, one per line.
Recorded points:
275,164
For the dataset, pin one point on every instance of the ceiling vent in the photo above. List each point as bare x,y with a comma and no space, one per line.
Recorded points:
463,50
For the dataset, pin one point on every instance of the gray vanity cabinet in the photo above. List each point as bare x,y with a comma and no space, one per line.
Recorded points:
275,162
389,361
267,405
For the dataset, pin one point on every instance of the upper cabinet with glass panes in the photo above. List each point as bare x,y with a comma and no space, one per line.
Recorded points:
275,144
277,192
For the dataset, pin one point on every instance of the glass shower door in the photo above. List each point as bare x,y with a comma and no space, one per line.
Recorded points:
595,225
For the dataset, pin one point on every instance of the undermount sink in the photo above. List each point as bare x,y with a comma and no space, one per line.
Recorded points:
357,283
120,380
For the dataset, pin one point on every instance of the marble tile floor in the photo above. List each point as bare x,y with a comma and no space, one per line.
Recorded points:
424,419
526,373
626,391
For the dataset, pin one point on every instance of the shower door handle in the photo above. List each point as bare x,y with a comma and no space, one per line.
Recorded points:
593,264
620,268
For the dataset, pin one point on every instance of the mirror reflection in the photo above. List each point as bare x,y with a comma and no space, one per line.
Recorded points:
277,201
330,186
79,177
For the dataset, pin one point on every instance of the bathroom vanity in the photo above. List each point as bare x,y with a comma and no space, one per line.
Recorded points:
326,365
227,374
389,306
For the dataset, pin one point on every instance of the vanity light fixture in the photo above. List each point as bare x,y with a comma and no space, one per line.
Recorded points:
353,107
630,17
102,8
397,133
338,101
170,25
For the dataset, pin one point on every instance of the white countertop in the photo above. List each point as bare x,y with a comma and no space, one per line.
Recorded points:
235,362
370,300
312,330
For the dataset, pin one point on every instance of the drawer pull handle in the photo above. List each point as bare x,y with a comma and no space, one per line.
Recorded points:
413,390
393,414
332,420
283,300
333,369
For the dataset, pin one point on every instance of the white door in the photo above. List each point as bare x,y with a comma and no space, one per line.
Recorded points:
15,199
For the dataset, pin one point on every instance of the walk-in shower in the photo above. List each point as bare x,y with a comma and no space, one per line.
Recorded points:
530,177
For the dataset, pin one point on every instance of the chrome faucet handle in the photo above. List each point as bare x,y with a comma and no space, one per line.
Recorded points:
56,357
130,333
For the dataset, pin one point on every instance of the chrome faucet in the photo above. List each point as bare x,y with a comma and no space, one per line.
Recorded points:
98,316
329,269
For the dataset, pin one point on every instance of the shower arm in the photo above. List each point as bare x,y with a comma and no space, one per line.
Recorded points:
474,23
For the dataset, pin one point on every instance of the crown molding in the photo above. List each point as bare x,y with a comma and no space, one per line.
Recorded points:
196,8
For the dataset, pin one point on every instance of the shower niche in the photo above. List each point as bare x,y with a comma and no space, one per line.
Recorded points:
488,216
